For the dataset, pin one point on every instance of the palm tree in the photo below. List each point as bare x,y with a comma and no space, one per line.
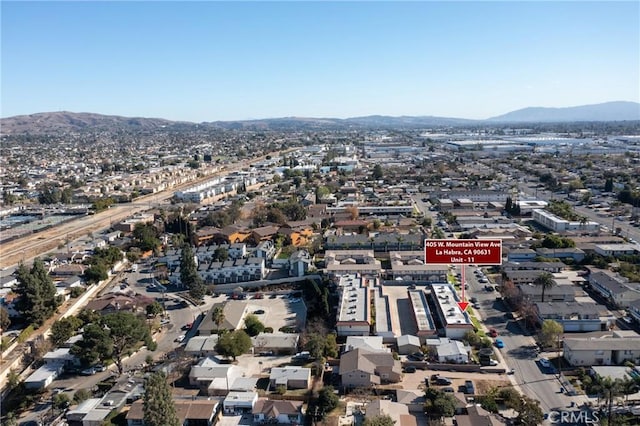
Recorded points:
546,281
217,315
610,389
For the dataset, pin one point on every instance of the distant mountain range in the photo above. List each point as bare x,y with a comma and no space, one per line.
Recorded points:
609,111
63,121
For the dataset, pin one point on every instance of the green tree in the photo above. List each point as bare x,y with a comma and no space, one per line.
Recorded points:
550,332
252,325
37,294
608,185
380,420
126,330
5,320
217,316
233,344
95,273
158,406
154,309
61,401
189,273
145,236
331,346
113,336
81,395
377,172
327,400
96,344
315,345
529,412
545,281
221,254
63,329
438,404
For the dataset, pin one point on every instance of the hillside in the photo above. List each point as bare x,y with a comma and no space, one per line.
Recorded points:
609,111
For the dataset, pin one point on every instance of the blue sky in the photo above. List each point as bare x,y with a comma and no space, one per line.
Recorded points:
207,61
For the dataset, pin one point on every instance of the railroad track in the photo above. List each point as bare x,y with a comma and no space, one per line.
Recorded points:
33,245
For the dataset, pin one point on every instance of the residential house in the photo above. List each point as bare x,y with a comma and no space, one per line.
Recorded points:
197,412
574,316
615,288
266,250
201,346
239,402
557,293
362,368
230,271
521,255
614,350
368,343
421,314
278,343
213,378
552,267
234,313
453,352
398,412
206,235
299,263
475,415
114,302
354,313
291,377
408,344
616,250
410,266
235,234
634,310
278,412
413,399
455,321
264,233
573,253
343,262
300,235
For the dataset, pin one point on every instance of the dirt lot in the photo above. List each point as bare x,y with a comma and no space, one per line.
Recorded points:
481,381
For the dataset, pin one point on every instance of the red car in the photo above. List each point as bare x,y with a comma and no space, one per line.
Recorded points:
493,332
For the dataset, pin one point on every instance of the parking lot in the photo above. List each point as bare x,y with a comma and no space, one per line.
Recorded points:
399,302
277,311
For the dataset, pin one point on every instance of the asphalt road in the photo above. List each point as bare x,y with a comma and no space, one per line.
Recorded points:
519,351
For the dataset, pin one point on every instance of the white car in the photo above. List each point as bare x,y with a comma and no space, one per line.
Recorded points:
545,362
180,338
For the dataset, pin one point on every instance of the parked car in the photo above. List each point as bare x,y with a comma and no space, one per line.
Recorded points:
259,312
99,368
499,344
88,372
493,332
468,387
545,363
448,389
443,380
409,369
417,356
473,300
180,338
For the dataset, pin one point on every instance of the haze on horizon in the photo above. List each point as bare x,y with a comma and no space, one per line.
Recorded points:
209,61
